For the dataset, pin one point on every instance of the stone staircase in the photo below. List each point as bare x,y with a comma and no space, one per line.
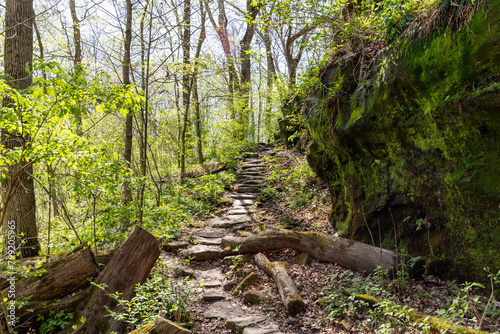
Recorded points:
206,253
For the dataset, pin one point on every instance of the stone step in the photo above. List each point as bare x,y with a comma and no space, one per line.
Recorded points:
212,295
208,241
211,233
253,155
238,324
245,211
252,165
243,196
201,253
247,189
270,329
223,310
229,218
243,202
257,182
251,172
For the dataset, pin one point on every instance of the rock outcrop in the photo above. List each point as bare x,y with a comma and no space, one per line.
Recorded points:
413,149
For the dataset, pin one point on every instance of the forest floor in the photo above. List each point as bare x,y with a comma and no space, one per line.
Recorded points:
291,197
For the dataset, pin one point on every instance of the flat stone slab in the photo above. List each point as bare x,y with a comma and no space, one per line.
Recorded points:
172,246
212,284
250,173
223,310
254,182
243,196
243,218
228,224
252,165
244,202
247,189
209,241
212,275
211,233
238,324
202,252
240,211
212,295
230,218
270,329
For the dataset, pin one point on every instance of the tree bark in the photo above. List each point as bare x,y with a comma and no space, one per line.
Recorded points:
196,98
186,87
127,154
77,60
19,205
63,275
289,294
323,247
128,267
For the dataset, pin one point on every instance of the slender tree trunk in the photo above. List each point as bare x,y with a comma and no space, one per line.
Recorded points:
145,61
77,40
196,99
186,89
21,206
127,154
245,59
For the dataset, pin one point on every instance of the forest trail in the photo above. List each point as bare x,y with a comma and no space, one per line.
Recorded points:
218,307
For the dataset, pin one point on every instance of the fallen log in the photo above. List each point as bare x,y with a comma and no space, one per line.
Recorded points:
323,247
129,266
289,294
161,326
61,276
437,325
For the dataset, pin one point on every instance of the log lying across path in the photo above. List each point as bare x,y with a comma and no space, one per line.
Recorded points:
323,247
289,294
71,272
129,266
61,276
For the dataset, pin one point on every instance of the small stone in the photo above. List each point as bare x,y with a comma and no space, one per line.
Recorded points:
229,286
247,281
243,202
186,272
253,297
212,295
302,259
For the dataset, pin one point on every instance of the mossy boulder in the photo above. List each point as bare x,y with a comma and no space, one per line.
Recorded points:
413,149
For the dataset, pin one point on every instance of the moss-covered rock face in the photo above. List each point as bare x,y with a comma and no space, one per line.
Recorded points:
413,151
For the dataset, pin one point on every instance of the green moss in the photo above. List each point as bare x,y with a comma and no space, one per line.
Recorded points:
422,140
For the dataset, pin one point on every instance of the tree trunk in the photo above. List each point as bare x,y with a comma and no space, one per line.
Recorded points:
289,294
63,275
323,247
20,204
127,154
186,87
245,78
196,98
77,40
129,266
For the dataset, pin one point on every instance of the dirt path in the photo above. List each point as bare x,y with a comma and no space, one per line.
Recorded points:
256,309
